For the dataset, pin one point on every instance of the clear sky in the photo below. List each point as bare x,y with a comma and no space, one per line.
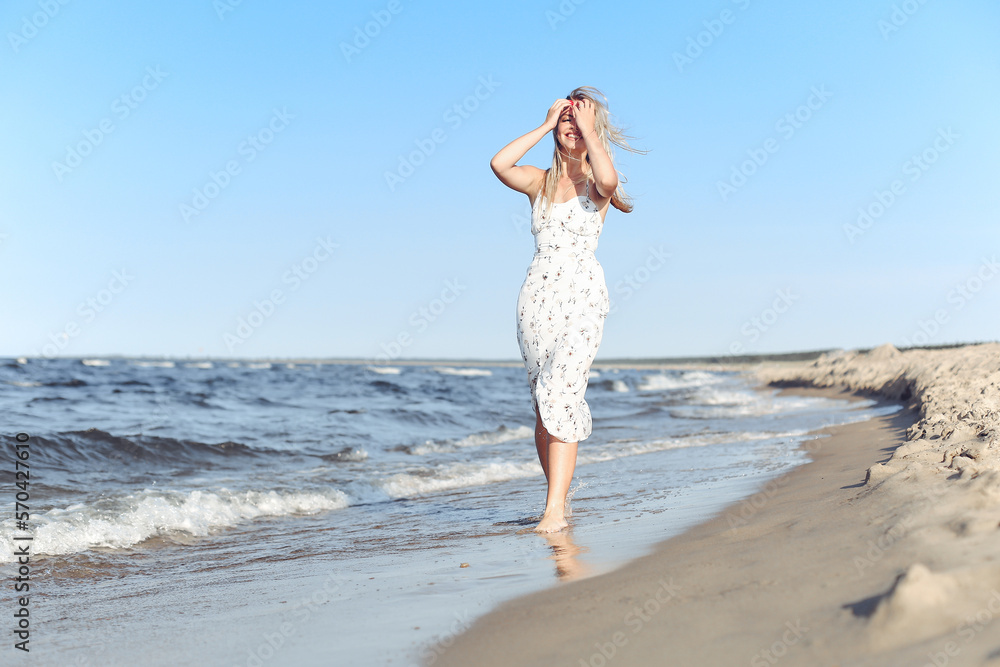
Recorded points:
202,178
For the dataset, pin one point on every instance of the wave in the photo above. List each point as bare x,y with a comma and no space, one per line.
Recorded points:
384,370
464,372
94,449
419,416
683,380
124,521
716,403
618,386
95,362
262,401
46,399
351,454
153,364
456,476
75,382
635,448
712,396
389,386
446,477
501,434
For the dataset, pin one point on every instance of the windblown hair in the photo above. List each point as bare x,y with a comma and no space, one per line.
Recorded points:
608,134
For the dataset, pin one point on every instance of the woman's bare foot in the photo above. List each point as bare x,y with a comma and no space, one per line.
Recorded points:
551,523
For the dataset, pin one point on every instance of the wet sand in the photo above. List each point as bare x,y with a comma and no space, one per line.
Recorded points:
883,550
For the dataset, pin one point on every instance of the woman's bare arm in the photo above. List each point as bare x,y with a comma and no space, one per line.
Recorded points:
526,179
605,175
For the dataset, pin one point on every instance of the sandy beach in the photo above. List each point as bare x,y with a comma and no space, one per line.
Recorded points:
880,551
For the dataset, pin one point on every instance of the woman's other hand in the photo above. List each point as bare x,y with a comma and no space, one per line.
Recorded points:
585,115
555,112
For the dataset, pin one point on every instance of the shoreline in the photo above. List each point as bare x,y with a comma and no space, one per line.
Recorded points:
720,364
853,558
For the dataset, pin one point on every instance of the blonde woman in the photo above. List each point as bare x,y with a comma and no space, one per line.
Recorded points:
564,300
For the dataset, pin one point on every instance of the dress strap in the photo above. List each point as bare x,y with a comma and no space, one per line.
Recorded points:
588,188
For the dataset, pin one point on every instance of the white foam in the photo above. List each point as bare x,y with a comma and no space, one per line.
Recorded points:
595,374
154,364
261,364
712,402
384,370
124,521
457,476
22,360
799,403
355,454
688,379
619,386
446,477
18,383
702,376
95,362
199,364
502,434
466,372
713,396
636,448
431,447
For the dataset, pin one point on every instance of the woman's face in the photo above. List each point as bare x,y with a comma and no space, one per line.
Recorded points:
567,130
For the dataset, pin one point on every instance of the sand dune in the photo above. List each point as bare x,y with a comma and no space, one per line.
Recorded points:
944,481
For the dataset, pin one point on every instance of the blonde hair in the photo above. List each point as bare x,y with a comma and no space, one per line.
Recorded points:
608,134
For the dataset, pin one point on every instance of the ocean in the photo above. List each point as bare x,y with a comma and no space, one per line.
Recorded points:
263,513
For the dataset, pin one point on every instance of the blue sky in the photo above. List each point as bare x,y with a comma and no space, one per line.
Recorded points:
209,179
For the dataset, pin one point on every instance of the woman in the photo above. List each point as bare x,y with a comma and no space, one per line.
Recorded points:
564,299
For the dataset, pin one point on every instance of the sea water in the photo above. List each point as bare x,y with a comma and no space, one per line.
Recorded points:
262,513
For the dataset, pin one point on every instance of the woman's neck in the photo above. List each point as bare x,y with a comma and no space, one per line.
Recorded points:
572,165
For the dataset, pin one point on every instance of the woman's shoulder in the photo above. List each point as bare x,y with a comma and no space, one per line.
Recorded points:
538,185
538,172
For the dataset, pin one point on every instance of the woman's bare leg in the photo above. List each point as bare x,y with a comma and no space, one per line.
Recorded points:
561,457
542,445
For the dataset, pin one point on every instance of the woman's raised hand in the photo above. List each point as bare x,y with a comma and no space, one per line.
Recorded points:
555,111
585,115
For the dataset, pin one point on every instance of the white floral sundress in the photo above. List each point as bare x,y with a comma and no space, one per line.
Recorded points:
561,310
